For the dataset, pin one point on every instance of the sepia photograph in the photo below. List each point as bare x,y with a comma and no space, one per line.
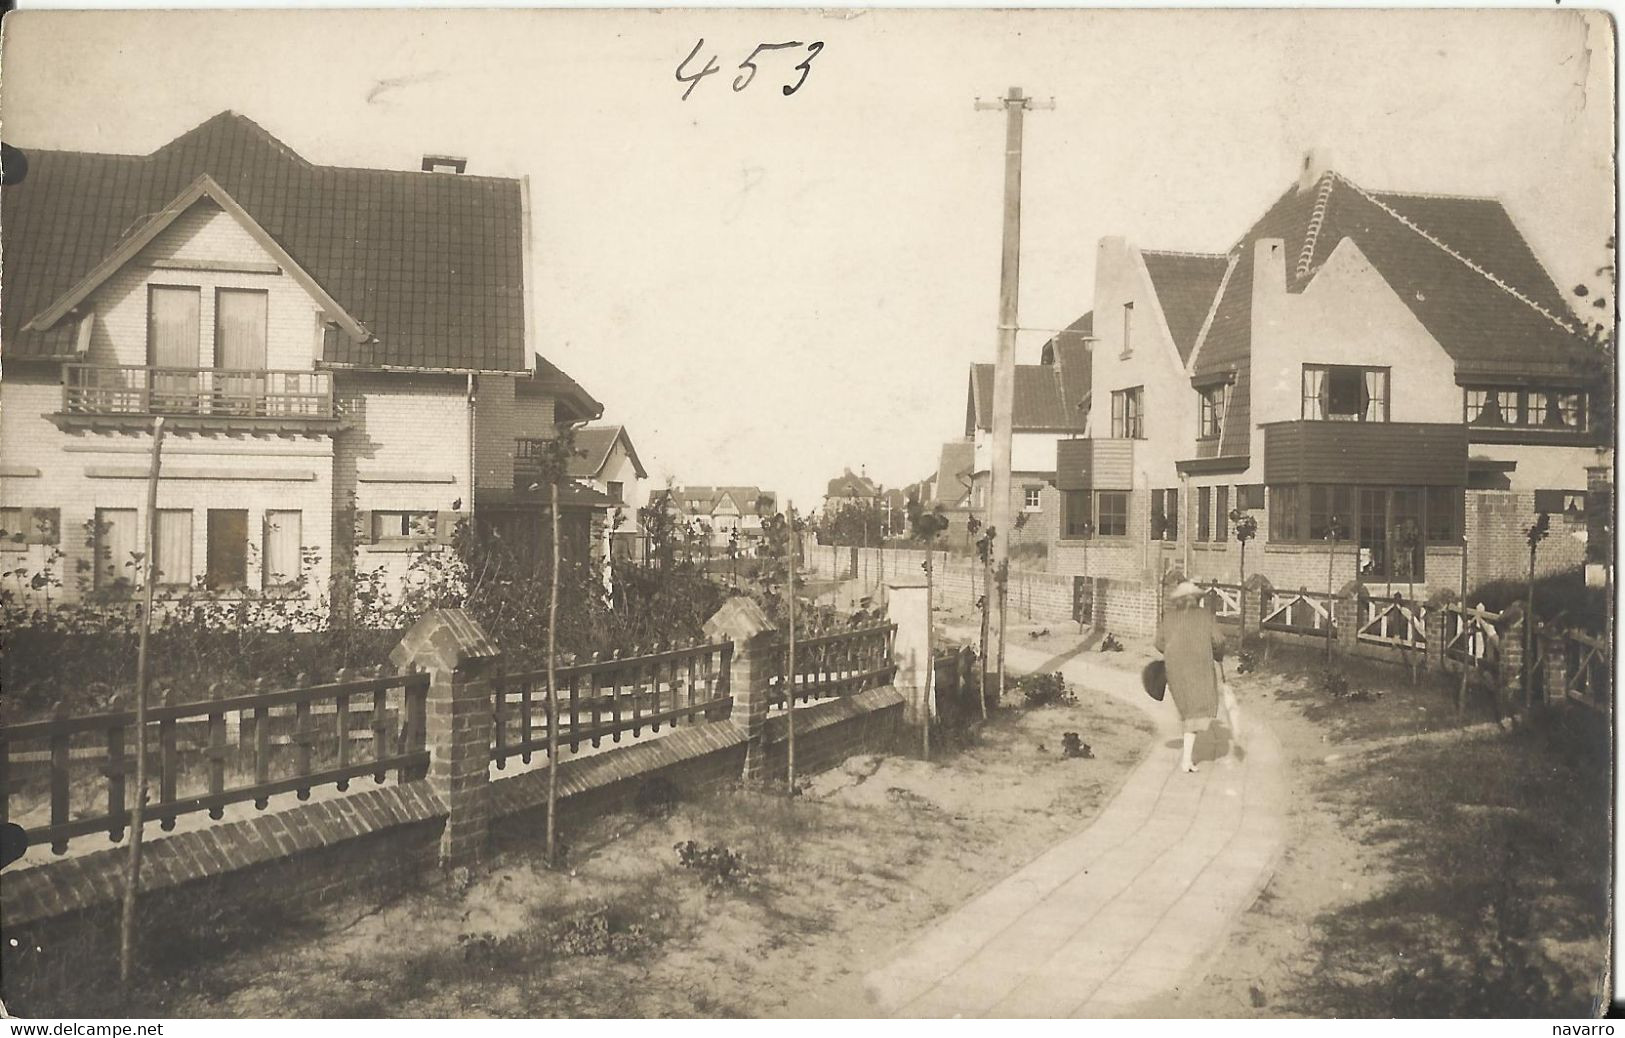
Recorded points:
807,513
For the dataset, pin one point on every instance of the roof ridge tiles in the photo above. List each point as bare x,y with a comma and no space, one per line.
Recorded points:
1471,265
1317,219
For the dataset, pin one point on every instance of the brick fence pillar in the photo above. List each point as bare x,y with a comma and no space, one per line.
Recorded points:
456,653
1512,653
1346,618
1254,593
1434,628
756,658
1556,666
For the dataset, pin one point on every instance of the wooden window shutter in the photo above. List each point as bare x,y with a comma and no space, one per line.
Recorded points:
363,527
445,526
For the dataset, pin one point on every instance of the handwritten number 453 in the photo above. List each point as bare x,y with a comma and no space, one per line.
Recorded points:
749,65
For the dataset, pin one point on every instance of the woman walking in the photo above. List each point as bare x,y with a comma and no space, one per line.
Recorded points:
1191,645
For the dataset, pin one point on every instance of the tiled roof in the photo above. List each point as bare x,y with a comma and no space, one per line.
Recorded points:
958,460
431,265
593,445
1184,283
849,485
1040,404
697,500
574,403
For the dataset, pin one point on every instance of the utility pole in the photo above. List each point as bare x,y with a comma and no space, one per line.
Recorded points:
1015,105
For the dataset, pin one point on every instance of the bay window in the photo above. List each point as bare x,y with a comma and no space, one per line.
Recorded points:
1511,407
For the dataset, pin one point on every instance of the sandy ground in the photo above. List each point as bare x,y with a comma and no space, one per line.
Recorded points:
837,882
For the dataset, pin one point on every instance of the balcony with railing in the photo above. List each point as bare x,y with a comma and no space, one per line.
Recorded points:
103,394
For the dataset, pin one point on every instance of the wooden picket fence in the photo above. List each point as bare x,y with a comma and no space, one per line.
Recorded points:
209,755
1298,612
610,696
837,663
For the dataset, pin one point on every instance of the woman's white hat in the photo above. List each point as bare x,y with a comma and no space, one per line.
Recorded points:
1184,589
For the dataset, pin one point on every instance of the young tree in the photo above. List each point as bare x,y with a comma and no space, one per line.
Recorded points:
1534,534
1334,533
1245,527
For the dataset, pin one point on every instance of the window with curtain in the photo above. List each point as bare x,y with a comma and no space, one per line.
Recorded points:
1514,407
227,548
1128,414
1342,393
1075,517
1284,514
1112,509
239,328
173,342
1221,513
282,544
173,557
116,541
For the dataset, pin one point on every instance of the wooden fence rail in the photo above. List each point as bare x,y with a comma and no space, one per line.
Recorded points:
1224,600
1301,612
838,664
290,740
610,696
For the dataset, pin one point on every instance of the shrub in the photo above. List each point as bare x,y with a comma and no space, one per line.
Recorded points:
1246,661
596,932
719,866
1110,643
1334,684
1560,598
1045,690
1072,745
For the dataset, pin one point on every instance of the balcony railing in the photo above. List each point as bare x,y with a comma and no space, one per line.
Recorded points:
99,389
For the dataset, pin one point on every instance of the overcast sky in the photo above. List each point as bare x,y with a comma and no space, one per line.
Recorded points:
766,288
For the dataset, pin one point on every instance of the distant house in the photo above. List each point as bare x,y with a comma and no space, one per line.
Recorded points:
1371,361
1051,402
850,489
606,462
336,393
723,511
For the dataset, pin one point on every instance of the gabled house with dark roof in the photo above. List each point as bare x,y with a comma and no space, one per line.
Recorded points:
722,511
344,359
1052,402
1387,358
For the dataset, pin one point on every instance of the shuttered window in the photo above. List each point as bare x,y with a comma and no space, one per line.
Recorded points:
283,535
116,542
173,555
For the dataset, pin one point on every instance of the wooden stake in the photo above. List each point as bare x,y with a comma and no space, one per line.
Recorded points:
790,663
132,875
552,688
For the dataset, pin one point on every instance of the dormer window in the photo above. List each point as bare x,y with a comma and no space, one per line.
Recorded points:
1210,418
1344,393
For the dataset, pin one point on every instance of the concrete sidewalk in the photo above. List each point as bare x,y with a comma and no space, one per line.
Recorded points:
1110,921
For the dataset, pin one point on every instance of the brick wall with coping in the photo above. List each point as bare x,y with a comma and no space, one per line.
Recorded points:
376,841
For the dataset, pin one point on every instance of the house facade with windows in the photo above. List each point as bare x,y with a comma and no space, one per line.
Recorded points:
342,358
723,512
1052,402
1397,367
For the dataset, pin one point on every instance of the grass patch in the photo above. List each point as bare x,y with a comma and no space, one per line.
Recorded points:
1498,904
1356,698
